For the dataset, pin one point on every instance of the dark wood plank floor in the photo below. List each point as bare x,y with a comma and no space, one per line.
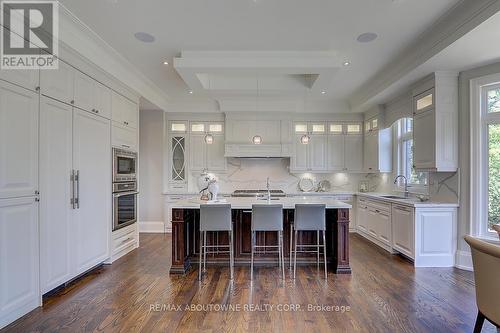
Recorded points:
383,294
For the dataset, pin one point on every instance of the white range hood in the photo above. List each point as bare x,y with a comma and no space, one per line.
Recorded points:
249,137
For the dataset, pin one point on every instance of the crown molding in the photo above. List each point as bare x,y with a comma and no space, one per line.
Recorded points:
76,35
461,19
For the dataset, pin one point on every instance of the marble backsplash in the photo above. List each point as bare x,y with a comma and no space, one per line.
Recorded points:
251,173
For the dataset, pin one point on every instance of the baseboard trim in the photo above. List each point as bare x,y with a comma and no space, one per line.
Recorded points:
156,227
463,261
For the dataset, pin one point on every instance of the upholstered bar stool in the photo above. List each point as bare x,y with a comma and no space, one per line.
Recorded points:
310,217
268,217
215,217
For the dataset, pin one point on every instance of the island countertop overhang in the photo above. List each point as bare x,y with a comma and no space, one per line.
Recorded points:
246,203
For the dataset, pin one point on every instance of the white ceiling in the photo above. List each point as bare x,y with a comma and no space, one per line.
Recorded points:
329,26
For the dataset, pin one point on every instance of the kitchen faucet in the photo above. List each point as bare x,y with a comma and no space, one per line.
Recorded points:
406,184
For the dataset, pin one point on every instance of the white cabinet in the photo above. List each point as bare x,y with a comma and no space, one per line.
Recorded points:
177,155
18,141
428,235
56,161
317,150
403,230
26,78
68,85
206,146
124,111
92,218
377,151
19,253
345,147
374,221
74,237
310,154
124,137
435,132
58,83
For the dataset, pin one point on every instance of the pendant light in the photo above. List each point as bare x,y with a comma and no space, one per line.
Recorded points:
257,139
209,139
304,139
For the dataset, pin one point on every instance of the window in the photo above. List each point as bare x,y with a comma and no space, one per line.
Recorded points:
417,180
485,155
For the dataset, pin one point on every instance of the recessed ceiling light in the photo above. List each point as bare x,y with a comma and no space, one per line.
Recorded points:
367,37
165,62
190,92
323,92
144,37
346,63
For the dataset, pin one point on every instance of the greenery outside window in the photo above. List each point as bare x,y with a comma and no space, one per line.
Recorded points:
418,181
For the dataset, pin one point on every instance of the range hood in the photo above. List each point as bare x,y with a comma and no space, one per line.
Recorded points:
256,151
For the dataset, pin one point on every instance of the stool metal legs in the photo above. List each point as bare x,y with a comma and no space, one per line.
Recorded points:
317,252
203,252
281,256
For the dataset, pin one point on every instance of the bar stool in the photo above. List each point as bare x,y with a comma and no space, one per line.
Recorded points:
215,217
310,217
268,217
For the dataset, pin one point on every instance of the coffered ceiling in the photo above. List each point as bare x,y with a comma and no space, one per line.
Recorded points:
229,49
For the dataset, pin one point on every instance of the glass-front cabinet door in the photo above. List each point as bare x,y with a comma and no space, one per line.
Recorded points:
178,144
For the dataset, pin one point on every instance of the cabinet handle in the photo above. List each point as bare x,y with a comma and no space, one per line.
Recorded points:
37,199
37,88
77,180
72,102
37,192
96,111
72,183
126,146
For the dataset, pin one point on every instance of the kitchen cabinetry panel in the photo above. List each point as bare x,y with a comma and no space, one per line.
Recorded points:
18,141
197,152
84,91
56,233
19,253
353,156
58,83
378,151
215,154
123,111
424,136
317,153
102,102
26,78
336,156
403,232
124,137
92,218
299,162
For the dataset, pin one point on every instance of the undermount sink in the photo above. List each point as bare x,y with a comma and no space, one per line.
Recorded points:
393,197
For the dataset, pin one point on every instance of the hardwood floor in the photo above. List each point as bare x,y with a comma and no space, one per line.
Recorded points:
384,294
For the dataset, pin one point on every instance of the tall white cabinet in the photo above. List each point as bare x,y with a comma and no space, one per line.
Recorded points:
74,235
19,201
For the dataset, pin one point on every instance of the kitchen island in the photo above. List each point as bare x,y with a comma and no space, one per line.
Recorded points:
185,234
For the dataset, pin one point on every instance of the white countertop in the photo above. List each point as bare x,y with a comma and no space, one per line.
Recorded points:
246,203
412,202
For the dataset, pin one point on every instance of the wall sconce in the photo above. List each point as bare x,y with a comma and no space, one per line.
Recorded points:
257,140
209,139
304,139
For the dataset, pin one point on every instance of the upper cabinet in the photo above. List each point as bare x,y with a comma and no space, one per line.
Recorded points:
435,113
26,78
310,147
123,111
345,147
177,155
206,141
68,85
377,151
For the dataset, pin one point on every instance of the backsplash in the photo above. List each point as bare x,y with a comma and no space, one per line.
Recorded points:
251,173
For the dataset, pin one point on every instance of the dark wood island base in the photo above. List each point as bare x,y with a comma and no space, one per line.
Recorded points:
185,240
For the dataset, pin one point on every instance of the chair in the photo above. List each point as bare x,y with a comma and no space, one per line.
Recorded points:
496,227
486,261
268,217
310,217
215,217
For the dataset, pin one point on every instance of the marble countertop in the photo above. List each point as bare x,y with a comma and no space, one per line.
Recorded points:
246,203
412,202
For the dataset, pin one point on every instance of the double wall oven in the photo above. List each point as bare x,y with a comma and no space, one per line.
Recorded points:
124,188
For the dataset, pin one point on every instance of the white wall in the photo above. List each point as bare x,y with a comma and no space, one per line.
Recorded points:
150,164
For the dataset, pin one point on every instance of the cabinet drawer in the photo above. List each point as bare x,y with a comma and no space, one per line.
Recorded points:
122,241
124,137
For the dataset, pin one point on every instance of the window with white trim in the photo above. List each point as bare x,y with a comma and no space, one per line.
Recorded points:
490,133
416,180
